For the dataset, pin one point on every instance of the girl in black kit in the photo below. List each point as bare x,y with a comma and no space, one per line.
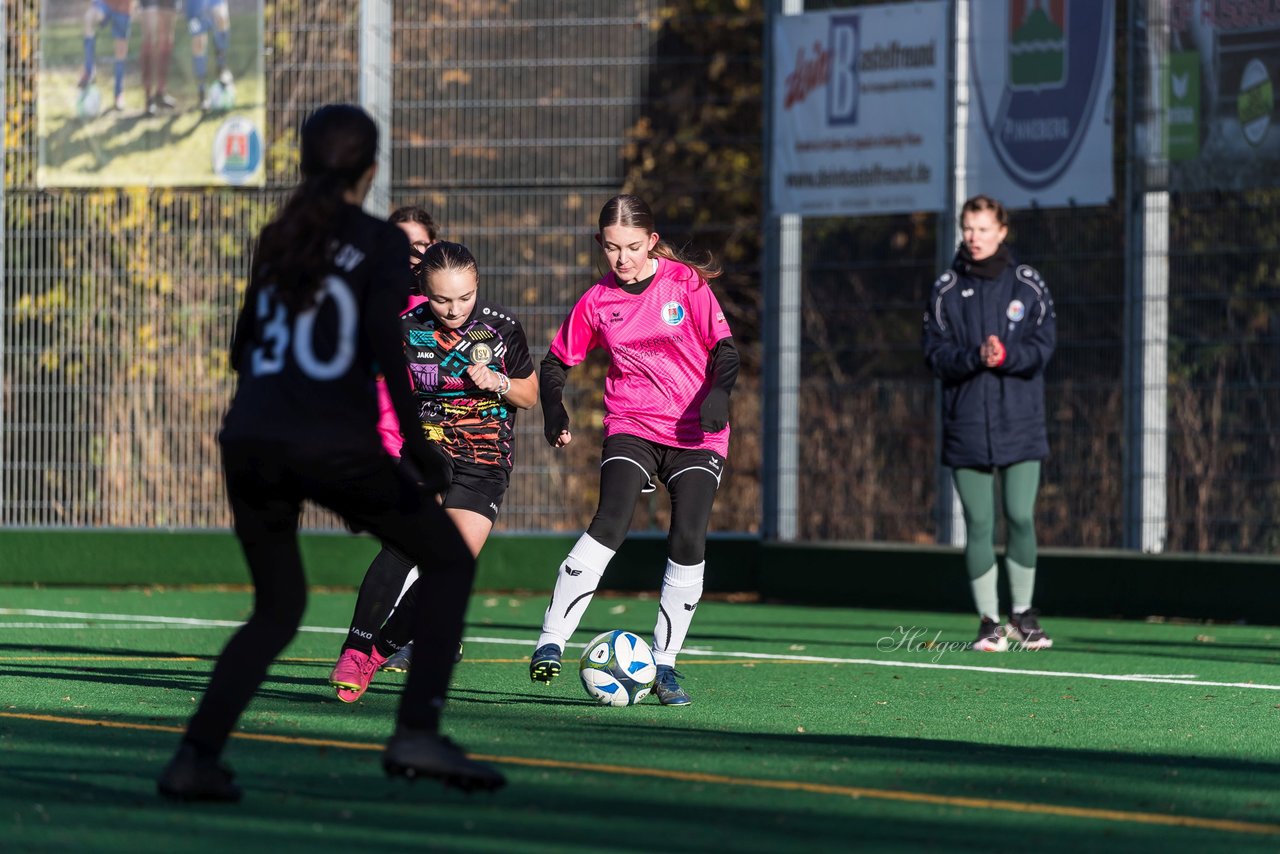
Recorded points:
470,369
320,316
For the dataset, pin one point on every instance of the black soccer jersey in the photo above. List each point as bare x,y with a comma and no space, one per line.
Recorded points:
468,423
307,378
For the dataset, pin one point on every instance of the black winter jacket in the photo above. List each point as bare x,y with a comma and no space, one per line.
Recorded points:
990,416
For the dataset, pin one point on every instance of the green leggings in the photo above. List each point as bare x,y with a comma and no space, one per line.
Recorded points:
1018,485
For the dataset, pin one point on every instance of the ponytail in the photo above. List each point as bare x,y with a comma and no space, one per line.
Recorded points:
339,144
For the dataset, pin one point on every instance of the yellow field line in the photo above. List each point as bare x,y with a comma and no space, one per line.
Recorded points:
1132,817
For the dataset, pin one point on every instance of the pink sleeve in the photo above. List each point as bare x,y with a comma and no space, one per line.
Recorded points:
388,424
577,335
707,316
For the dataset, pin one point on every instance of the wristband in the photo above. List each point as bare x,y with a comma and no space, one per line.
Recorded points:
504,385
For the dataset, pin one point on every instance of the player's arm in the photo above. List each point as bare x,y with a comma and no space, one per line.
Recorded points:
523,392
519,392
519,385
573,341
723,369
242,336
722,361
553,374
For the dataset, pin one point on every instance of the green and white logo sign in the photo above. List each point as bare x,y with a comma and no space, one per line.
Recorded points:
1256,102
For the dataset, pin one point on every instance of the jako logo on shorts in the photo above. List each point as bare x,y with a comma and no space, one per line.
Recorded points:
673,314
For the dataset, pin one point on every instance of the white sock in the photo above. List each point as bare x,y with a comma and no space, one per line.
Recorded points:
681,590
576,582
1022,583
985,595
408,582
404,588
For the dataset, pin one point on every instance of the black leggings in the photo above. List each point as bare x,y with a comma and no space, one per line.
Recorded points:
628,468
266,485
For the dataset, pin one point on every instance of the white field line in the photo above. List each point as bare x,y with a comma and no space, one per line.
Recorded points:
194,623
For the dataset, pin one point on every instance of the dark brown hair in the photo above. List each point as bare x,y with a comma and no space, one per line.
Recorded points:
985,203
414,213
632,212
442,256
339,144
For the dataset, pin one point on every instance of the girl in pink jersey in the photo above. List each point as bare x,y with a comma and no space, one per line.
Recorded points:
666,398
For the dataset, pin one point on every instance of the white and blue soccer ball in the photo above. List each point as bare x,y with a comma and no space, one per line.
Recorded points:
617,669
89,102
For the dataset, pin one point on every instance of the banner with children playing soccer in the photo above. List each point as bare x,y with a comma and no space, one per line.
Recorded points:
151,93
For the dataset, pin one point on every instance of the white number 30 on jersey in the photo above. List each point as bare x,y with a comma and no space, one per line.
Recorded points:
269,357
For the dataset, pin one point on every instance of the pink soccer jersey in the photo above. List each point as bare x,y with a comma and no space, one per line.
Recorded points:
659,342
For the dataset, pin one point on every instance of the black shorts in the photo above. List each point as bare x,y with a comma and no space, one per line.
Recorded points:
168,5
476,487
663,462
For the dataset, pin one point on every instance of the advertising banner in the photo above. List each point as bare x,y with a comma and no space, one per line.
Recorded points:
1040,106
165,93
860,107
1220,95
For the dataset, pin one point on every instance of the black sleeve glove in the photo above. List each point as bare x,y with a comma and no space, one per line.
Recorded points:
715,410
551,379
723,371
555,420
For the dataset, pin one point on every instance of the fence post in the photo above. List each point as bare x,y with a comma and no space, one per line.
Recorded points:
1146,340
375,94
4,236
948,511
781,357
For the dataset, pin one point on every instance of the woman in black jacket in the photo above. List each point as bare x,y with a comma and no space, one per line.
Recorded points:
988,334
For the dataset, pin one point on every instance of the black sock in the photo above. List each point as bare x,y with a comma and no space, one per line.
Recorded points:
382,584
398,630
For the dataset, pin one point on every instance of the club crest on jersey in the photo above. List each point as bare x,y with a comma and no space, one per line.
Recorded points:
673,313
481,354
1016,311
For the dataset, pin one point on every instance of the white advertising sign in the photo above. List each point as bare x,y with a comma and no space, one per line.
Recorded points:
860,108
1040,107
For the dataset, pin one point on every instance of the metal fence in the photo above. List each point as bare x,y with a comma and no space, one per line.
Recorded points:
512,122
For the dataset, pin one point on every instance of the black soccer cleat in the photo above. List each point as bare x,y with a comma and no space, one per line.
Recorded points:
1025,630
419,753
991,637
545,663
189,777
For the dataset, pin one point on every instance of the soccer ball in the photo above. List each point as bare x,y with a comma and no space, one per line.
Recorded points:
617,669
221,95
89,102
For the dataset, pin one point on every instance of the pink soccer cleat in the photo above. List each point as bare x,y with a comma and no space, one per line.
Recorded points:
353,673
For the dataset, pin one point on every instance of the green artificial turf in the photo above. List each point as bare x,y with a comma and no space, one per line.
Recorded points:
811,729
